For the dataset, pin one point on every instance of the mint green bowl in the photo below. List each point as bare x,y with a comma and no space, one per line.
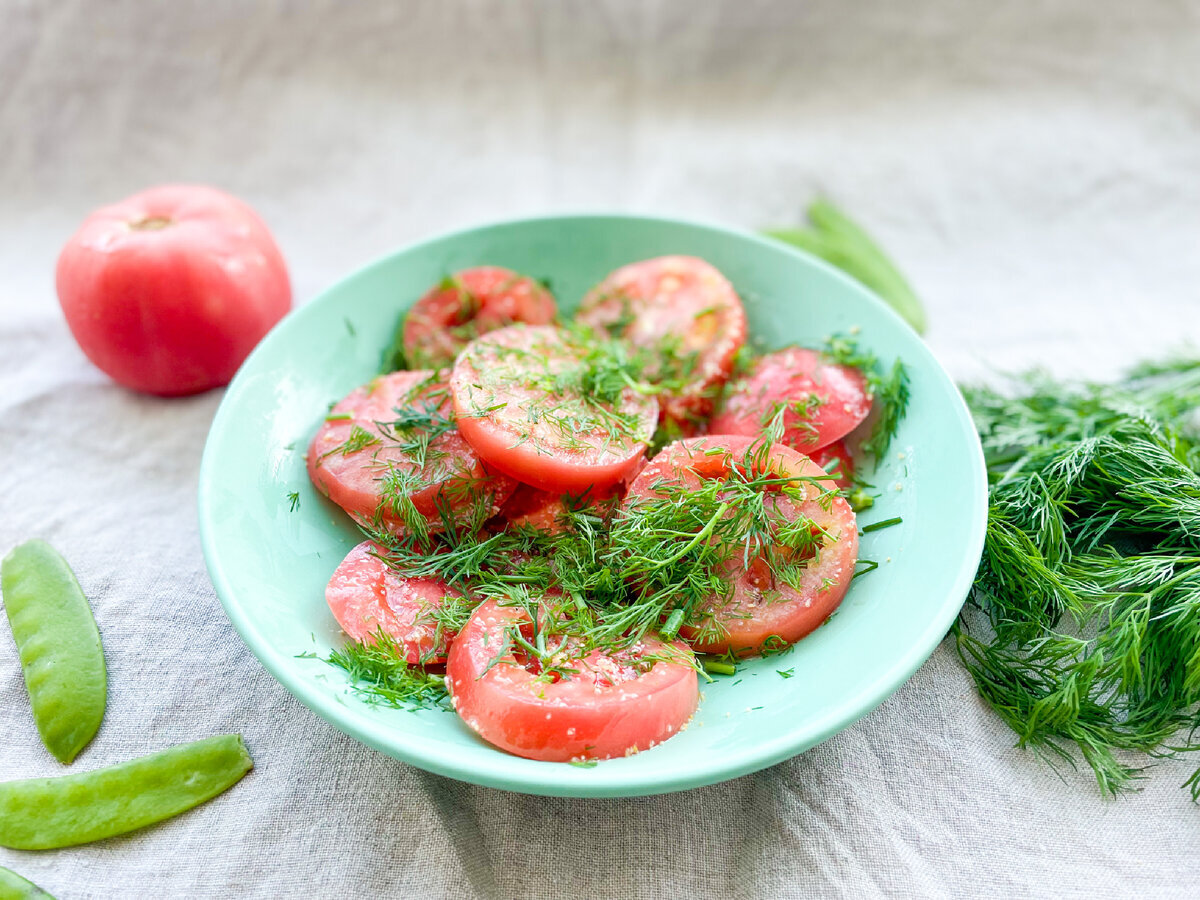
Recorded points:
270,563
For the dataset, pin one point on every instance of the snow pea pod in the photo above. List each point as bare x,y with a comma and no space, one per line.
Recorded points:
44,813
58,644
14,887
843,243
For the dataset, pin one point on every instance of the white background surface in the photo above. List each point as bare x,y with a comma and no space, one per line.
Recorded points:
1035,168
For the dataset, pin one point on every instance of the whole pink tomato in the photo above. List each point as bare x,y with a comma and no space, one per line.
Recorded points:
169,290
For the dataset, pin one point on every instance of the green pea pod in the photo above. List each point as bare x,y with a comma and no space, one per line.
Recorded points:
14,887
843,243
59,647
44,813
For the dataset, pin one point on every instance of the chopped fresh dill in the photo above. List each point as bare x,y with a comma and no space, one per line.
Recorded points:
379,671
885,523
786,673
293,501
719,667
889,389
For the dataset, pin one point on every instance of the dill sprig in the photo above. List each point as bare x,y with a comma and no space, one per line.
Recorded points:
1089,586
889,389
378,670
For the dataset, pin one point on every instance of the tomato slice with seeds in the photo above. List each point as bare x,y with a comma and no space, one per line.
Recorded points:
467,304
682,308
366,596
391,456
822,401
526,403
588,706
760,608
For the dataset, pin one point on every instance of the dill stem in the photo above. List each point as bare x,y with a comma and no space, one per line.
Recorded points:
719,667
886,523
700,536
671,628
519,639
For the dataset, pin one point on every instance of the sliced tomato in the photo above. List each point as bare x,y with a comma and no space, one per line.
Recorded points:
522,402
467,304
392,457
683,309
366,596
836,460
546,511
758,608
822,401
594,706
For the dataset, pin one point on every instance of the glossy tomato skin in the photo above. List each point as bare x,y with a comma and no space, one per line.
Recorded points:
470,303
826,401
756,611
686,303
366,596
542,437
354,455
604,711
169,290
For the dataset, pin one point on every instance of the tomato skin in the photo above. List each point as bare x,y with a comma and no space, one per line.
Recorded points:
676,297
795,374
474,302
502,414
586,716
453,475
366,596
755,610
172,310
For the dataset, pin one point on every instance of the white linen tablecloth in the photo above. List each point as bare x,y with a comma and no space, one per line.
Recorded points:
1035,167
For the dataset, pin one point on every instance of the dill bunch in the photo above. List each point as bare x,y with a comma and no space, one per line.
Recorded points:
1089,586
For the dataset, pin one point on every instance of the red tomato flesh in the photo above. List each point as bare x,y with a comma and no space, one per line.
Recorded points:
467,304
381,474
824,401
169,290
612,705
522,406
836,460
545,511
759,608
678,303
366,596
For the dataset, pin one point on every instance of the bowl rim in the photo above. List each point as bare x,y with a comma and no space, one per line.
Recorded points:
551,779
